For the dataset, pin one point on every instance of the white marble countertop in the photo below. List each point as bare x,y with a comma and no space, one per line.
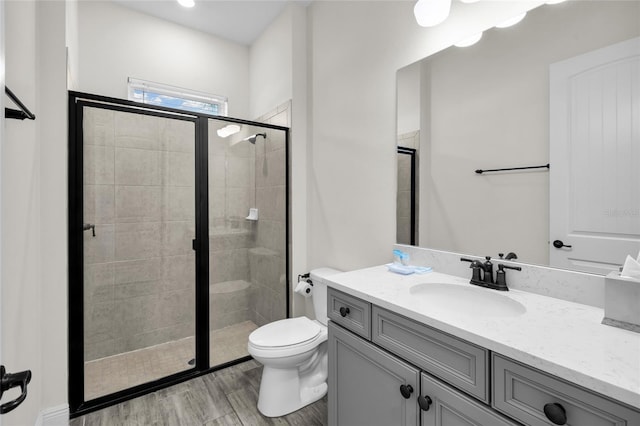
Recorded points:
562,338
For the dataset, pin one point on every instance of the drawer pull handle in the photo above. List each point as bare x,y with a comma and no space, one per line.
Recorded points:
555,413
406,391
344,311
424,402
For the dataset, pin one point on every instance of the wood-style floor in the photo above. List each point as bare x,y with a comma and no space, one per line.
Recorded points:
225,397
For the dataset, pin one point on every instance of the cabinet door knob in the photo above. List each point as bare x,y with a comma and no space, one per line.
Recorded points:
344,311
555,413
406,391
424,402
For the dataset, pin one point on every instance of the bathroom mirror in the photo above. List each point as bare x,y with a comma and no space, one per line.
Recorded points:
487,107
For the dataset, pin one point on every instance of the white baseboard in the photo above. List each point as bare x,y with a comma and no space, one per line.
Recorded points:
54,416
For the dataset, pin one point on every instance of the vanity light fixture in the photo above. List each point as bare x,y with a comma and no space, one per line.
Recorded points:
228,130
512,21
469,41
186,3
430,13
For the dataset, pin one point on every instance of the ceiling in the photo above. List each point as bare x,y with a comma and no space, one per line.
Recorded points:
241,21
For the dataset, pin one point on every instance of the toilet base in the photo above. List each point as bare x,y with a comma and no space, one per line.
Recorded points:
281,392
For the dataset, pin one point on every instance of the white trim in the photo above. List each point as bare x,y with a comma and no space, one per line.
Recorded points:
54,416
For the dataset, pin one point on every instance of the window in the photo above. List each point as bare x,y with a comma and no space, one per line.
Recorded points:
148,92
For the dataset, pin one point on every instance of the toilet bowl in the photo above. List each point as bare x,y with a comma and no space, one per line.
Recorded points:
293,352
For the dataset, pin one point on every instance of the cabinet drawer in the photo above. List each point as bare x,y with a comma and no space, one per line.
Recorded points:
455,361
450,407
350,312
522,393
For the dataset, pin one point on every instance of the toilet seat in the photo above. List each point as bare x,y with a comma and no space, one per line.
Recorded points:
286,337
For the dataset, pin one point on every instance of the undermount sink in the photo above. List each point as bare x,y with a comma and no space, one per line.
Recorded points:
467,300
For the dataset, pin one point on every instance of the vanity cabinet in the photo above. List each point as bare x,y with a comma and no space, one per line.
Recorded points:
390,370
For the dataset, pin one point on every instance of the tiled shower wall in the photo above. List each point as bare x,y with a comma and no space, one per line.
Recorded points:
139,268
267,261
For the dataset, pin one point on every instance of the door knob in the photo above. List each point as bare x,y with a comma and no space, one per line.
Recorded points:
344,311
406,391
560,244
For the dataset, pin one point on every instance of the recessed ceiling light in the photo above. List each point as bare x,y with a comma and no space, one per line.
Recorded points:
187,3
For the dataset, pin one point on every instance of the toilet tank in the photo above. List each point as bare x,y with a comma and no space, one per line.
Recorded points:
319,293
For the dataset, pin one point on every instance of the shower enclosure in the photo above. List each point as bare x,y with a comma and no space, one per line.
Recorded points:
178,244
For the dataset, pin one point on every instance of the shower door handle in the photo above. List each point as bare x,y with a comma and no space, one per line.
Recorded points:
91,227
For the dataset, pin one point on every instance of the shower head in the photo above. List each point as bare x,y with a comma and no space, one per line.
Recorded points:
253,138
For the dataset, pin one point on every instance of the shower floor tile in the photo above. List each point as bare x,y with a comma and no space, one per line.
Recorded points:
111,374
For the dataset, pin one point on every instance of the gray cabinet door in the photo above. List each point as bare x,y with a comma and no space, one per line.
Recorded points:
364,384
449,407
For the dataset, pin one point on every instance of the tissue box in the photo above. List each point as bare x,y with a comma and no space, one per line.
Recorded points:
622,302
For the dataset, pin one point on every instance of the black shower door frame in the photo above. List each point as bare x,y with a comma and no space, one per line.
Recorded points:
77,101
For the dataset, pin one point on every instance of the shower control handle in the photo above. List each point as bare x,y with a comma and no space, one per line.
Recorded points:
344,311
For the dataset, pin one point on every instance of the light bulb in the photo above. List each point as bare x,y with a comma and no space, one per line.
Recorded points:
471,40
512,21
187,3
429,13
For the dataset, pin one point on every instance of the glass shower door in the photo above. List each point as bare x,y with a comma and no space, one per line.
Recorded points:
247,234
139,264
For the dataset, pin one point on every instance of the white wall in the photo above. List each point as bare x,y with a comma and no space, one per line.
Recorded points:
116,43
356,49
270,66
34,311
408,99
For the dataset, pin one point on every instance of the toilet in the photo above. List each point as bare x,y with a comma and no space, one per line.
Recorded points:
293,352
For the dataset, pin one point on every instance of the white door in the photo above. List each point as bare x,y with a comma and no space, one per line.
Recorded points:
595,158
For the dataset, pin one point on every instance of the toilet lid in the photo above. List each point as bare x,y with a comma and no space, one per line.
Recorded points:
286,332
